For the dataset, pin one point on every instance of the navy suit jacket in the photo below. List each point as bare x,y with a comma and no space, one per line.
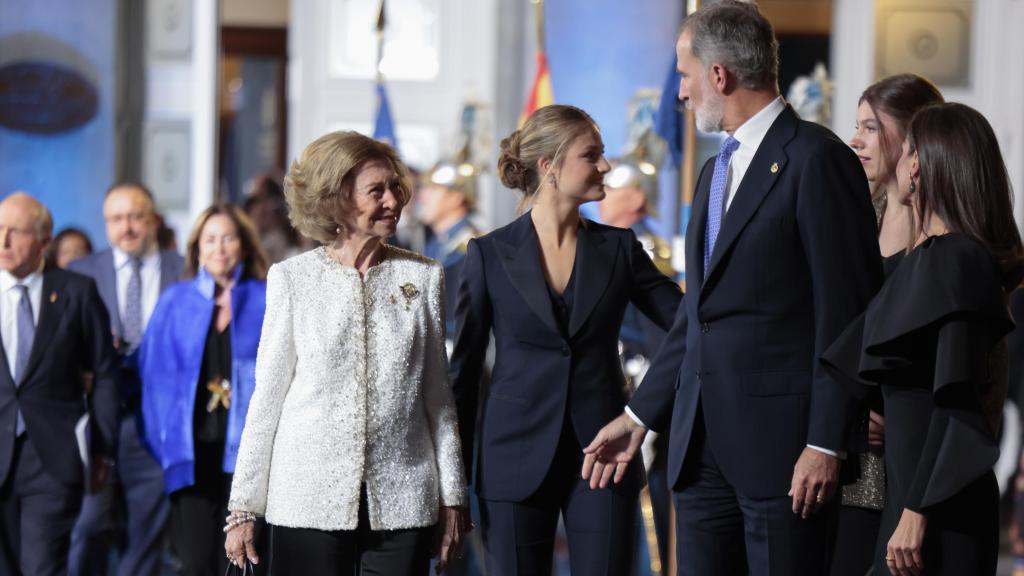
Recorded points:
72,337
795,261
538,373
100,267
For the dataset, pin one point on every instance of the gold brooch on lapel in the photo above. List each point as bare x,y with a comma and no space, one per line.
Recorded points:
53,297
410,291
775,167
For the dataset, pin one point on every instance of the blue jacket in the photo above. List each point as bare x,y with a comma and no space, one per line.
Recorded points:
170,359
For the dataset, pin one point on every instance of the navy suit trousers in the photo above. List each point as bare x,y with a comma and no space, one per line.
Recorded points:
721,532
37,512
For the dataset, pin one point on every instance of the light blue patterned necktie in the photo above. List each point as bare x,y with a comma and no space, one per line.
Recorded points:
133,306
26,333
718,182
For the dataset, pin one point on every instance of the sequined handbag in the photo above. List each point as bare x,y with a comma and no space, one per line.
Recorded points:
869,490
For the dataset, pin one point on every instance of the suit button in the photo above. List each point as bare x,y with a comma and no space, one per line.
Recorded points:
705,328
565,351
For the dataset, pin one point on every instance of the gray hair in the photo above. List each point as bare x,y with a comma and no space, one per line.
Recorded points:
734,34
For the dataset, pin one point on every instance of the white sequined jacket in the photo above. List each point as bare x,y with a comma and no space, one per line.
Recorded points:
351,389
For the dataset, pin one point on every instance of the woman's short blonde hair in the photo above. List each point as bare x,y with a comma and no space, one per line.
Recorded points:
318,186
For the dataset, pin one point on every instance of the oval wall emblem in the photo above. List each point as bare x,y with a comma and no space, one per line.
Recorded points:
44,98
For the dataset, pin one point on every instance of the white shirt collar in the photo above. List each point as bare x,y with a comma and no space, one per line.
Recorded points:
752,132
8,281
121,257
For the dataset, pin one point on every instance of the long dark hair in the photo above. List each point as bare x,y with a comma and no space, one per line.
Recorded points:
254,262
898,97
964,181
51,251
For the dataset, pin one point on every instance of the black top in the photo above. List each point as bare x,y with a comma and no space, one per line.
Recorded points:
889,263
211,425
928,339
561,304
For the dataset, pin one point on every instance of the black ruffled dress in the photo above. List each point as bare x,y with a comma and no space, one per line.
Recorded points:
933,340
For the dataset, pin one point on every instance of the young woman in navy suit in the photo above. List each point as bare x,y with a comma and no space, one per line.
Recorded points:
552,288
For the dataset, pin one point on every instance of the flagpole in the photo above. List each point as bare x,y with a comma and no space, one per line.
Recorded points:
688,179
538,16
381,24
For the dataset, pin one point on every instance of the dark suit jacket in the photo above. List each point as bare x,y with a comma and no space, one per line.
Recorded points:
73,336
537,372
100,267
795,261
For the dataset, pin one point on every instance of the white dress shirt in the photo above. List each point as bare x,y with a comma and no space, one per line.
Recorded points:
9,301
749,134
150,273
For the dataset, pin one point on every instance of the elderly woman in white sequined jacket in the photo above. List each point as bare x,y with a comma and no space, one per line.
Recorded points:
350,447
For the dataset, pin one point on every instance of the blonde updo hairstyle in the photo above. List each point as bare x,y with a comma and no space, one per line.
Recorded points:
318,186
546,135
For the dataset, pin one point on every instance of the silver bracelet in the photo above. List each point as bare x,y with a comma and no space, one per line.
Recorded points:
237,519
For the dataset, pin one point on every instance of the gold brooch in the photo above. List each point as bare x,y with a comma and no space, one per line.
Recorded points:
220,395
410,291
775,167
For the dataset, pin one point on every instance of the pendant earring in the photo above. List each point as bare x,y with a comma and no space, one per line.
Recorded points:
913,186
553,182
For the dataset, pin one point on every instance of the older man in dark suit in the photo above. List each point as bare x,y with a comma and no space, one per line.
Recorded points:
54,329
130,276
781,254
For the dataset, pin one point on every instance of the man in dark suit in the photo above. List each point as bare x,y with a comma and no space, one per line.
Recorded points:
130,276
781,254
53,329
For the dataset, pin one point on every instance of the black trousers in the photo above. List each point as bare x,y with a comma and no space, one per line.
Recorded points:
601,525
722,532
37,512
362,552
198,515
855,541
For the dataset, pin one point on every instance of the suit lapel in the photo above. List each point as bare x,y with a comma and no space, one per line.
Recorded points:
5,366
521,258
768,163
695,231
106,283
51,307
595,262
167,271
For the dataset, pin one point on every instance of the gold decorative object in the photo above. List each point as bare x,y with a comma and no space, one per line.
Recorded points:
410,291
220,394
775,167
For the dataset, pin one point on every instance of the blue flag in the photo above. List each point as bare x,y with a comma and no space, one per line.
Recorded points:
384,126
669,120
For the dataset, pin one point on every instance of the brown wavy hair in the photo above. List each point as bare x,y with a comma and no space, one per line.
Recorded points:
318,186
254,261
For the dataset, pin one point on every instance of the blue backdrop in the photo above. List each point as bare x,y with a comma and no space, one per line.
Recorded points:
600,53
68,171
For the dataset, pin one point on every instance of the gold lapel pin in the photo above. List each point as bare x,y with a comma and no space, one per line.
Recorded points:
53,297
775,167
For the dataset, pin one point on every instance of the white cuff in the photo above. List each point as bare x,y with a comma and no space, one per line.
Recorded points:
635,418
840,455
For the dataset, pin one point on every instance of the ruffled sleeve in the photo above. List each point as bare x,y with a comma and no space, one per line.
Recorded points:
944,305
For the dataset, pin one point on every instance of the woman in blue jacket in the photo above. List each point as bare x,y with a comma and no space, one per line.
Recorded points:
197,364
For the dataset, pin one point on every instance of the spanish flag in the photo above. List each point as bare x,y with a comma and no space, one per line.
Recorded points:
540,94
